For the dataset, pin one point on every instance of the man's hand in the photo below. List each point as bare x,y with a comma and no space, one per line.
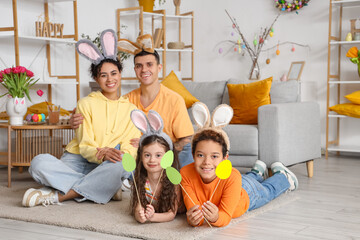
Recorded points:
76,119
179,145
210,211
110,154
194,215
140,215
135,142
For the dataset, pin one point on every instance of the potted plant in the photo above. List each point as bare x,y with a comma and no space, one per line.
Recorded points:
148,5
17,81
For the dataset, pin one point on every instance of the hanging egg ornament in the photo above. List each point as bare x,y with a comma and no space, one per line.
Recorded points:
272,30
235,49
243,46
220,50
268,61
293,49
277,52
261,40
271,34
232,34
255,42
233,25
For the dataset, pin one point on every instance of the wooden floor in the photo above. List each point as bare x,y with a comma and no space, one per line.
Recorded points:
328,208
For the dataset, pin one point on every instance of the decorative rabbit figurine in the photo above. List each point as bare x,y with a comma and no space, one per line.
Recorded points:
150,125
221,116
16,109
108,41
143,42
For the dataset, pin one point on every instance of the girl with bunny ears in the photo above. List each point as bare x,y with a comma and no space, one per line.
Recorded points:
220,201
159,198
90,168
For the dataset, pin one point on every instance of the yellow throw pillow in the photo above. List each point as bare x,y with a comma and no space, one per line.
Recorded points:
245,99
354,97
348,109
171,81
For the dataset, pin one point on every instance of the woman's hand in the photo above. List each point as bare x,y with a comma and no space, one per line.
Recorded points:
110,154
210,211
149,213
194,215
135,142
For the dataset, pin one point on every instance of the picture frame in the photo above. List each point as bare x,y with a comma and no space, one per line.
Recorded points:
295,70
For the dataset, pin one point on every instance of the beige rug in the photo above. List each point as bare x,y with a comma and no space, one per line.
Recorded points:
112,218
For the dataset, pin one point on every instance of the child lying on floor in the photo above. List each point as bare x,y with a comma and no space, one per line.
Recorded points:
235,195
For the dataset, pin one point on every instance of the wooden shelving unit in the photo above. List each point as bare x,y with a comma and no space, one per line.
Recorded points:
13,33
160,15
335,43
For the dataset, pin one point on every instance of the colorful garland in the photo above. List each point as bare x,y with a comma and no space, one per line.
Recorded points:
289,7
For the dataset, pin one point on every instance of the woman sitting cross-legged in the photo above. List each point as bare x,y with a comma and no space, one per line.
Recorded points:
90,168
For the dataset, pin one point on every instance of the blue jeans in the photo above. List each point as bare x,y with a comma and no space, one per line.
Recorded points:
262,191
95,182
185,156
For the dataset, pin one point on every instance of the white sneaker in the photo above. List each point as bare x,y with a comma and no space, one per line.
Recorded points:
126,185
44,196
259,168
278,167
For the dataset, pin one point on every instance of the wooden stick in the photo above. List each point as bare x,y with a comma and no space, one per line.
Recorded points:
156,186
136,188
215,190
193,202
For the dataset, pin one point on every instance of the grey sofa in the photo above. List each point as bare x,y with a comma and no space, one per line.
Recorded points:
288,130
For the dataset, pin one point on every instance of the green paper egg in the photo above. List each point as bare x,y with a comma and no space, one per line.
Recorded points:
167,159
128,162
173,175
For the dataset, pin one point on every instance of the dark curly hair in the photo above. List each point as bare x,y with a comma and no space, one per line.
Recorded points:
167,197
145,53
95,69
209,134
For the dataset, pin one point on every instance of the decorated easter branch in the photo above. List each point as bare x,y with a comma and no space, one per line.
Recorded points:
175,178
129,165
223,171
166,161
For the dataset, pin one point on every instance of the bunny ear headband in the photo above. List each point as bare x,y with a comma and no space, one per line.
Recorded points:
221,116
108,41
143,42
150,125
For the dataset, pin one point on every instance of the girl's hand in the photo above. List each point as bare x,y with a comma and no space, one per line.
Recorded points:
210,211
135,142
194,215
149,213
141,215
110,154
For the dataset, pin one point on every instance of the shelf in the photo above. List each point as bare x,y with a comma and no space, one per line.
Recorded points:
336,116
55,83
158,15
346,3
343,82
53,1
344,42
174,50
344,148
41,39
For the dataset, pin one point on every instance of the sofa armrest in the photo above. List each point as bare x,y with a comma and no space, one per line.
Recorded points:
289,132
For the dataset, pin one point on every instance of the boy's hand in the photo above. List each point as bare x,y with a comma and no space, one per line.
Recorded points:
76,119
111,154
149,213
194,215
210,211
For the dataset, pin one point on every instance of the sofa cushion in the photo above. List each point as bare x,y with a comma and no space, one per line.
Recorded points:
171,81
210,93
245,99
280,92
354,97
285,92
243,139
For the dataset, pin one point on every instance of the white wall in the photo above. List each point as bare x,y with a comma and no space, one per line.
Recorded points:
212,25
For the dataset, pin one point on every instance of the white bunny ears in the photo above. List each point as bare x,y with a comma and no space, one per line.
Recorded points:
108,43
143,42
150,125
221,116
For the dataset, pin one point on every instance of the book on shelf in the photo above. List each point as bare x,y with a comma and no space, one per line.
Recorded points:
158,35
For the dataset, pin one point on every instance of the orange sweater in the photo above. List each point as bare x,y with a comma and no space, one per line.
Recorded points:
231,199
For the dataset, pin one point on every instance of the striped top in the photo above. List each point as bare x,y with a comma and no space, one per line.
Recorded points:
148,192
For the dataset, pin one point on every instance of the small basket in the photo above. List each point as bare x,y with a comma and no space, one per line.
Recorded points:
176,45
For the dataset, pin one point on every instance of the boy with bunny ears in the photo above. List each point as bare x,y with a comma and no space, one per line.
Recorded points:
220,200
90,168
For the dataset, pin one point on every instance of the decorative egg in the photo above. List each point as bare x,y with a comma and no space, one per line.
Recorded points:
220,50
278,52
271,34
255,42
293,49
35,118
43,117
28,117
232,33
233,25
268,61
235,49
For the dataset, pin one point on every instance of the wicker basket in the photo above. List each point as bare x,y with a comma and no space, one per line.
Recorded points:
176,45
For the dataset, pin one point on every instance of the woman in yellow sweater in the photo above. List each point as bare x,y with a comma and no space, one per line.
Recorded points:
221,200
90,168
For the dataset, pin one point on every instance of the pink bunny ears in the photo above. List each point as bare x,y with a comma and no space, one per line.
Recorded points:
143,42
150,125
108,43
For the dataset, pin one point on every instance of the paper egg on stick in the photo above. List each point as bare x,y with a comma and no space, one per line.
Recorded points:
167,160
223,170
128,162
